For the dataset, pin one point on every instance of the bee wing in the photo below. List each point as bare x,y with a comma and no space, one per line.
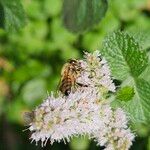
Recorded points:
64,68
59,84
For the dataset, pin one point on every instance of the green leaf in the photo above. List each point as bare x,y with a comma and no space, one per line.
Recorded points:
124,55
80,15
137,108
125,94
12,15
127,60
146,74
143,93
140,35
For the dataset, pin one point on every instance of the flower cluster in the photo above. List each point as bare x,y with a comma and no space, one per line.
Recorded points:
60,118
84,112
114,135
96,73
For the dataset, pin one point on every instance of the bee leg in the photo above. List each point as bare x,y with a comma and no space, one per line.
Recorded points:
82,85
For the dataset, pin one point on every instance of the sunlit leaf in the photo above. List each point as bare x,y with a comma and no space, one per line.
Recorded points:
127,60
125,94
124,55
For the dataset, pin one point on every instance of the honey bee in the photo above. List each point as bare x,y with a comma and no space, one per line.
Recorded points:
70,71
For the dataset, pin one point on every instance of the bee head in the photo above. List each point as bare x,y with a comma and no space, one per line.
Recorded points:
72,61
75,63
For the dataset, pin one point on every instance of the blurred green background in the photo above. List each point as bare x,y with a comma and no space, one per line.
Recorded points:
31,60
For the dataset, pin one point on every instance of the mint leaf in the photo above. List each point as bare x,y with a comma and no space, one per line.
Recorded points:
124,55
140,35
146,74
127,60
12,15
125,94
80,15
143,93
137,108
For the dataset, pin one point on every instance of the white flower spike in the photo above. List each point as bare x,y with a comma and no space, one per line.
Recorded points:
84,111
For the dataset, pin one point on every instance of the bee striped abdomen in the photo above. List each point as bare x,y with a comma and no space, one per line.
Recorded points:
66,85
68,76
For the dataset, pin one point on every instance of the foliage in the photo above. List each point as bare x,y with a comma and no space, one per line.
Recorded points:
79,15
31,60
125,94
12,15
127,60
123,53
